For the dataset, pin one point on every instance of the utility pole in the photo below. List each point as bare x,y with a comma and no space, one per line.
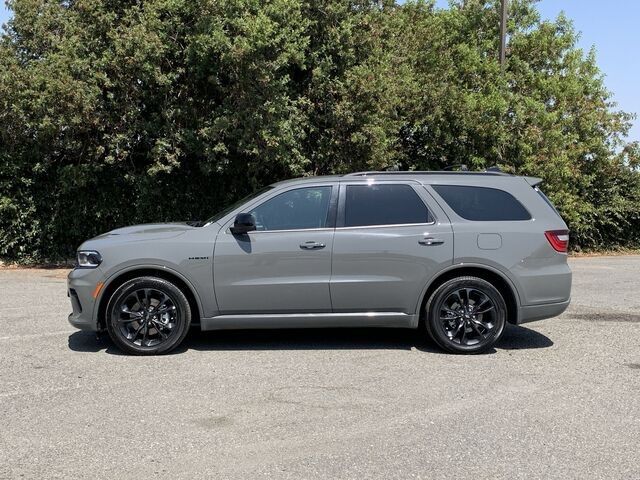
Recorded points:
503,30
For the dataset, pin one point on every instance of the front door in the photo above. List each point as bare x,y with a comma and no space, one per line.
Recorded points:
285,265
388,244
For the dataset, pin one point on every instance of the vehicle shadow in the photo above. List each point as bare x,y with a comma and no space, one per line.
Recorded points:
514,338
517,337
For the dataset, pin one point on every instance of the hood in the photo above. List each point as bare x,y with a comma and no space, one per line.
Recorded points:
148,231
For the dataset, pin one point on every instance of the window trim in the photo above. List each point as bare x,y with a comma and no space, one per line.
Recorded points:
331,214
342,208
323,229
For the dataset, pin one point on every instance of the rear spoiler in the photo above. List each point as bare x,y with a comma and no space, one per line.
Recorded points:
533,181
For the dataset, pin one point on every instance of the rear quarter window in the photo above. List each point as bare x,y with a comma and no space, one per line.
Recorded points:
482,203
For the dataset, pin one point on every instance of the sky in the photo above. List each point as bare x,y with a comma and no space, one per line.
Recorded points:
611,26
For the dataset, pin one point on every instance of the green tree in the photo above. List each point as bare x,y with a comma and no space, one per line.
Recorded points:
547,114
113,113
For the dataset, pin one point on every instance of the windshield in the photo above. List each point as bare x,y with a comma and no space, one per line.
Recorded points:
235,205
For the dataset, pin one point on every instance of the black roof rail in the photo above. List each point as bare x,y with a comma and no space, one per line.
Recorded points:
427,172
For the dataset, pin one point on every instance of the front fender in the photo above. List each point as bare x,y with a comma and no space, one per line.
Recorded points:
114,274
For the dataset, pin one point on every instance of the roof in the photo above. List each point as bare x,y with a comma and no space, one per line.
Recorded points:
400,175
315,179
426,172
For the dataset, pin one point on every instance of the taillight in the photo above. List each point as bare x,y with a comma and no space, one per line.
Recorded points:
559,239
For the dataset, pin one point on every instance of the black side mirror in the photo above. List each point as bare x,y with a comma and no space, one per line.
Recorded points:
244,222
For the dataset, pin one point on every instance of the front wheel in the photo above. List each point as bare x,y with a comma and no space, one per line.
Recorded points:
148,316
466,315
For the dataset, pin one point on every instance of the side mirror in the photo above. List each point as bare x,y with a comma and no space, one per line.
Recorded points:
243,223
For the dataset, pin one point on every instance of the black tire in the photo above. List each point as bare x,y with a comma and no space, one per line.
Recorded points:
470,324
148,316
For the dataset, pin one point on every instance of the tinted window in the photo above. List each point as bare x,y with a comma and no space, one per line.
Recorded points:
295,209
481,203
383,205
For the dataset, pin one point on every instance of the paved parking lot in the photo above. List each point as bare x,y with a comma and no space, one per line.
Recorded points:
556,399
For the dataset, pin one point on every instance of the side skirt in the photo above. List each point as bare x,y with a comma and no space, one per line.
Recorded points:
309,320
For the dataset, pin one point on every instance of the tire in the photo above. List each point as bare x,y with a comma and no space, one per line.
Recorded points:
148,316
466,315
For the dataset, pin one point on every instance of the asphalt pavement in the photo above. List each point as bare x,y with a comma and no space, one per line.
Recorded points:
559,398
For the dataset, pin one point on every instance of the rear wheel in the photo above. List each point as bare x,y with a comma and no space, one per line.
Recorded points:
466,315
148,316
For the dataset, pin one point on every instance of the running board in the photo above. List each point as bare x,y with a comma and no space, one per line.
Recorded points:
309,320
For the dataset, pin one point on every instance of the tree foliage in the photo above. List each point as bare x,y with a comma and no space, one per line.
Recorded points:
119,112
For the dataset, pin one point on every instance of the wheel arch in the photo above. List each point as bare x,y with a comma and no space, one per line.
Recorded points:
122,276
493,276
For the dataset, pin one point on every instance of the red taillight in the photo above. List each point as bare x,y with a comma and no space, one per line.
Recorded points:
559,239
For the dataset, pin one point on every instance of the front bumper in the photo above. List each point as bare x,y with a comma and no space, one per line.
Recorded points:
81,284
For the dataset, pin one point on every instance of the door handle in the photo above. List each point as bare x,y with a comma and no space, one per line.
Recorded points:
430,241
311,245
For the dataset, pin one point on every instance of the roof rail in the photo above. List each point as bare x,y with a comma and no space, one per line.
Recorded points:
434,172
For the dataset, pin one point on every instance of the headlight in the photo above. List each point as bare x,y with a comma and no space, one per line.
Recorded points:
88,259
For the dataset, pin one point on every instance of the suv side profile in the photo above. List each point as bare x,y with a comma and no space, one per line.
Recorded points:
461,253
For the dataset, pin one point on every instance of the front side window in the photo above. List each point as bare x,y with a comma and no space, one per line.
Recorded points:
482,203
383,204
294,210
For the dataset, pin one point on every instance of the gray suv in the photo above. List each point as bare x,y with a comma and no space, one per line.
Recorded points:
459,253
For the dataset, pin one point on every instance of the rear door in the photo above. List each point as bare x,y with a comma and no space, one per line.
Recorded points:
391,239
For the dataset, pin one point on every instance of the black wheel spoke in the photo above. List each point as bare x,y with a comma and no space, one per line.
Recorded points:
464,334
161,303
458,328
474,325
125,309
133,316
164,310
486,325
160,325
467,297
158,328
145,331
459,297
128,320
481,304
448,310
137,332
141,298
147,297
488,309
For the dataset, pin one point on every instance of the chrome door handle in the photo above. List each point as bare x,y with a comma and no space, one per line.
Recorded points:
430,241
312,245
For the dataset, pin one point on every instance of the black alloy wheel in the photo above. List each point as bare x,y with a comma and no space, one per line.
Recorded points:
466,315
148,316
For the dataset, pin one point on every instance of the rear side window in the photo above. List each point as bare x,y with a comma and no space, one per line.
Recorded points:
482,203
383,205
